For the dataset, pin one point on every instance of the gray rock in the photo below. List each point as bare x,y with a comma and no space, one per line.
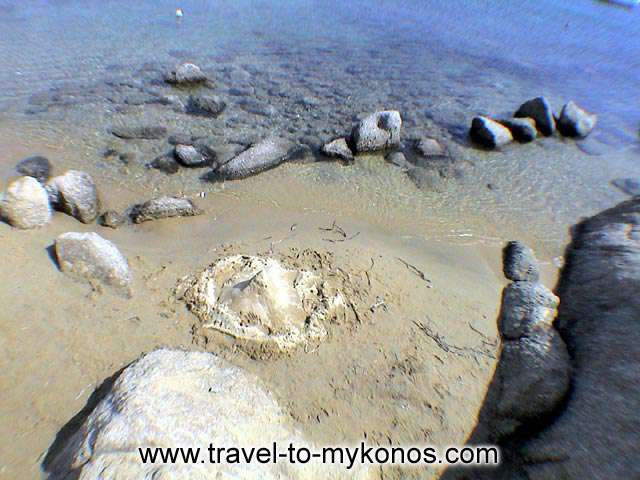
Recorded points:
189,156
301,153
399,160
251,105
166,163
540,111
576,122
522,129
36,167
338,148
180,139
378,131
25,204
257,158
76,194
141,132
186,74
520,263
430,147
173,101
89,256
206,105
154,402
427,179
112,219
630,186
526,307
489,133
164,207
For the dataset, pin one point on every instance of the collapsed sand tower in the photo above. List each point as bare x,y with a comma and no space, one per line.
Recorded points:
275,304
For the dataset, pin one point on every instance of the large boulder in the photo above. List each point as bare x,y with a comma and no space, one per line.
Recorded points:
75,193
540,111
257,158
172,399
26,204
90,257
576,122
164,207
378,131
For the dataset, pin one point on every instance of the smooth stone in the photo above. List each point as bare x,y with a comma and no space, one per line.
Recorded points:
630,186
141,132
206,105
76,194
36,167
576,122
186,73
399,160
25,204
378,131
189,156
522,129
257,158
89,256
430,147
112,219
526,306
520,263
427,179
489,133
164,207
540,111
166,163
338,148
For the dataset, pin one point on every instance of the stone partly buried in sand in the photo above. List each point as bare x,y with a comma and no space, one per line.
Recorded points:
576,122
90,257
26,204
273,305
489,133
75,193
338,148
164,207
378,131
191,399
186,74
259,157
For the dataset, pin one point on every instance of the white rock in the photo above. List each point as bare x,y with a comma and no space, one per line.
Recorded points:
173,398
75,193
378,131
186,73
91,257
26,204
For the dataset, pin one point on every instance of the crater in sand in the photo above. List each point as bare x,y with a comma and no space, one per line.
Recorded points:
275,304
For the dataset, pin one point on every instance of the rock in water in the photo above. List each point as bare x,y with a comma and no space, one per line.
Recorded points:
164,207
26,204
630,186
189,156
257,158
166,163
520,263
489,133
540,111
399,160
206,105
378,131
172,398
576,122
522,129
91,257
186,74
36,167
338,148
76,195
141,132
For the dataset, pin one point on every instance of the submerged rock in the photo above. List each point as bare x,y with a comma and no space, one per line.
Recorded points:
489,133
141,132
206,105
257,158
520,263
378,131
630,186
338,148
427,179
166,163
540,111
191,399
25,204
36,167
189,156
576,122
75,193
164,207
522,129
89,256
112,219
185,74
399,160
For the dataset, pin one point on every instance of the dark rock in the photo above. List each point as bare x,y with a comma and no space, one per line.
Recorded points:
427,179
520,263
143,132
540,111
257,158
526,306
76,194
378,131
180,139
630,186
36,167
522,129
112,219
206,105
186,74
166,163
164,207
576,122
301,153
338,148
489,133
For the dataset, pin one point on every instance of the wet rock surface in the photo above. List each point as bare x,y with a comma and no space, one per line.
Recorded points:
164,207
140,132
541,112
90,257
189,156
206,105
112,219
378,131
166,163
576,122
338,148
25,204
76,194
519,262
257,158
489,133
37,167
186,74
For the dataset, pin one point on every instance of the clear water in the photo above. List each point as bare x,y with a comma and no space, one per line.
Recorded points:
70,66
